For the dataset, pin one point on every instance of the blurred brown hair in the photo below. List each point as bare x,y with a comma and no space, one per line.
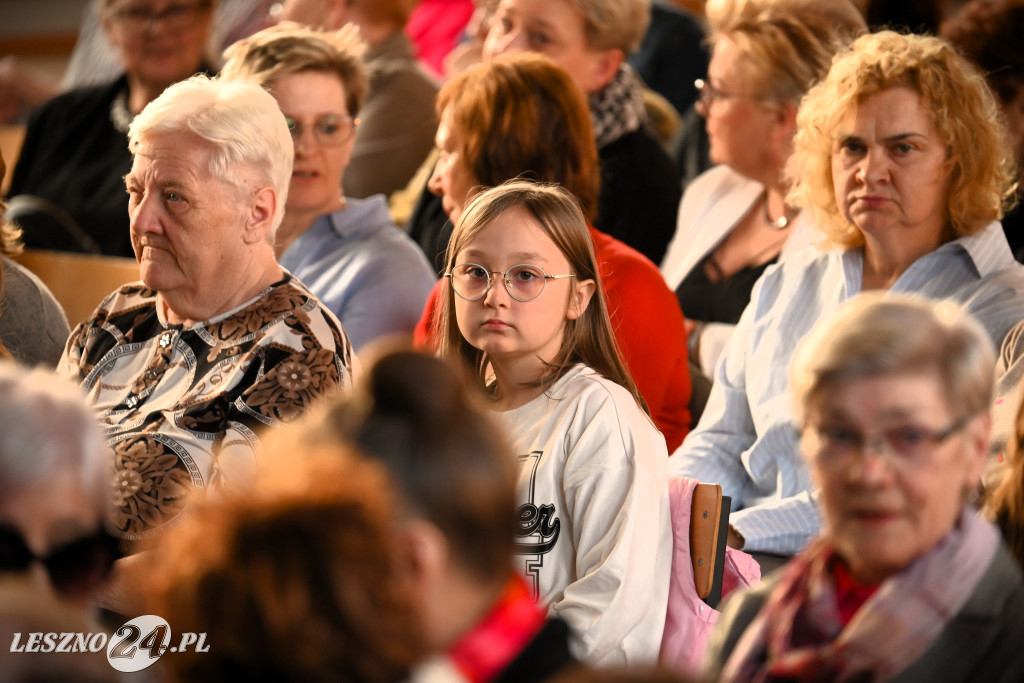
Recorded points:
522,115
293,578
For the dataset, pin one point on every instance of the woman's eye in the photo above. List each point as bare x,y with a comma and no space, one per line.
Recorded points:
540,39
329,128
851,146
905,437
902,148
840,436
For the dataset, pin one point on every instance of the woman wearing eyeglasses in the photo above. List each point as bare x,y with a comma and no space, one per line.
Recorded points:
347,251
75,154
905,167
54,486
733,220
906,582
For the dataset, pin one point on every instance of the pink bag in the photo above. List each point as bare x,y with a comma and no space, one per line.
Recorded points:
689,619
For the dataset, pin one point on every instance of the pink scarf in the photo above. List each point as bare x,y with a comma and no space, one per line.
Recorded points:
798,634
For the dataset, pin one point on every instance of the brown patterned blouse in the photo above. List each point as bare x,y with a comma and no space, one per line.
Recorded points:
184,406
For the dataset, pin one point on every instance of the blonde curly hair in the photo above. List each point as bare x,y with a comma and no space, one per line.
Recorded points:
980,167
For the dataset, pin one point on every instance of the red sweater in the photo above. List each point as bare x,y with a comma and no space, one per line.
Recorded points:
648,327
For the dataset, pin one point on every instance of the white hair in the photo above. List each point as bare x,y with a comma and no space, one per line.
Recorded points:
239,119
46,427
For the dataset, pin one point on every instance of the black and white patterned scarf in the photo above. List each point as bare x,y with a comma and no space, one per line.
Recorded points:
618,108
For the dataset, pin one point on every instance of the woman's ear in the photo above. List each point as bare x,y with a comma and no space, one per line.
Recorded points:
424,556
785,119
580,298
604,64
978,432
261,215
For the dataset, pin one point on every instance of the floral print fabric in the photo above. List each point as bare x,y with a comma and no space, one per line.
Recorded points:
184,407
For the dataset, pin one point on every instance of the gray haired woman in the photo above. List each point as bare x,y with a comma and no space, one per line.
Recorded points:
892,396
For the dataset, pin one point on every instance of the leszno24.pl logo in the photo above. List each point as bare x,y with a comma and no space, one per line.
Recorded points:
134,646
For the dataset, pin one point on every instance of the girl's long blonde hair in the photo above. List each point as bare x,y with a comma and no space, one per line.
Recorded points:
589,338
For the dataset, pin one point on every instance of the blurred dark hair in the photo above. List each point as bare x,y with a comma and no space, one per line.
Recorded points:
418,416
988,32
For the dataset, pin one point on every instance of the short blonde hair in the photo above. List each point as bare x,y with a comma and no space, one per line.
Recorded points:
878,333
614,24
789,43
290,48
240,120
979,160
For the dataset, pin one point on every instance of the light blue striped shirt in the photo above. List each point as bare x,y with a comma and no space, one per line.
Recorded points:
747,440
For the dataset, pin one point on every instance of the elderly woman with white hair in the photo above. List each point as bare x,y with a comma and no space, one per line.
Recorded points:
906,581
217,343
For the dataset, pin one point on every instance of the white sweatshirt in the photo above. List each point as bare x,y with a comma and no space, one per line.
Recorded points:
594,537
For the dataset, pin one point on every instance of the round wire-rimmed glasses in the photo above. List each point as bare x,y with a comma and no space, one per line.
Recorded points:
523,282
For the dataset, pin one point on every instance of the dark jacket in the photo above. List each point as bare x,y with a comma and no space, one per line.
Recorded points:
981,643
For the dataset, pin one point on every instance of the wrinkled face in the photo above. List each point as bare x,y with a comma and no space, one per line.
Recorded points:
890,488
888,167
160,41
738,124
188,227
452,179
51,514
508,330
553,28
323,137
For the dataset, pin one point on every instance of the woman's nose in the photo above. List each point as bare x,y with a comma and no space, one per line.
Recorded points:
872,467
144,216
507,43
874,167
434,182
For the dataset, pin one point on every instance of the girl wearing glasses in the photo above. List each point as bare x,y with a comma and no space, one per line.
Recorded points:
347,251
524,309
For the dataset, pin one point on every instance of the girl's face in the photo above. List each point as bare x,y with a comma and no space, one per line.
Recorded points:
511,331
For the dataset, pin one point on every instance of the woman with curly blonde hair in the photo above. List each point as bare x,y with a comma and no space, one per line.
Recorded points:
900,156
